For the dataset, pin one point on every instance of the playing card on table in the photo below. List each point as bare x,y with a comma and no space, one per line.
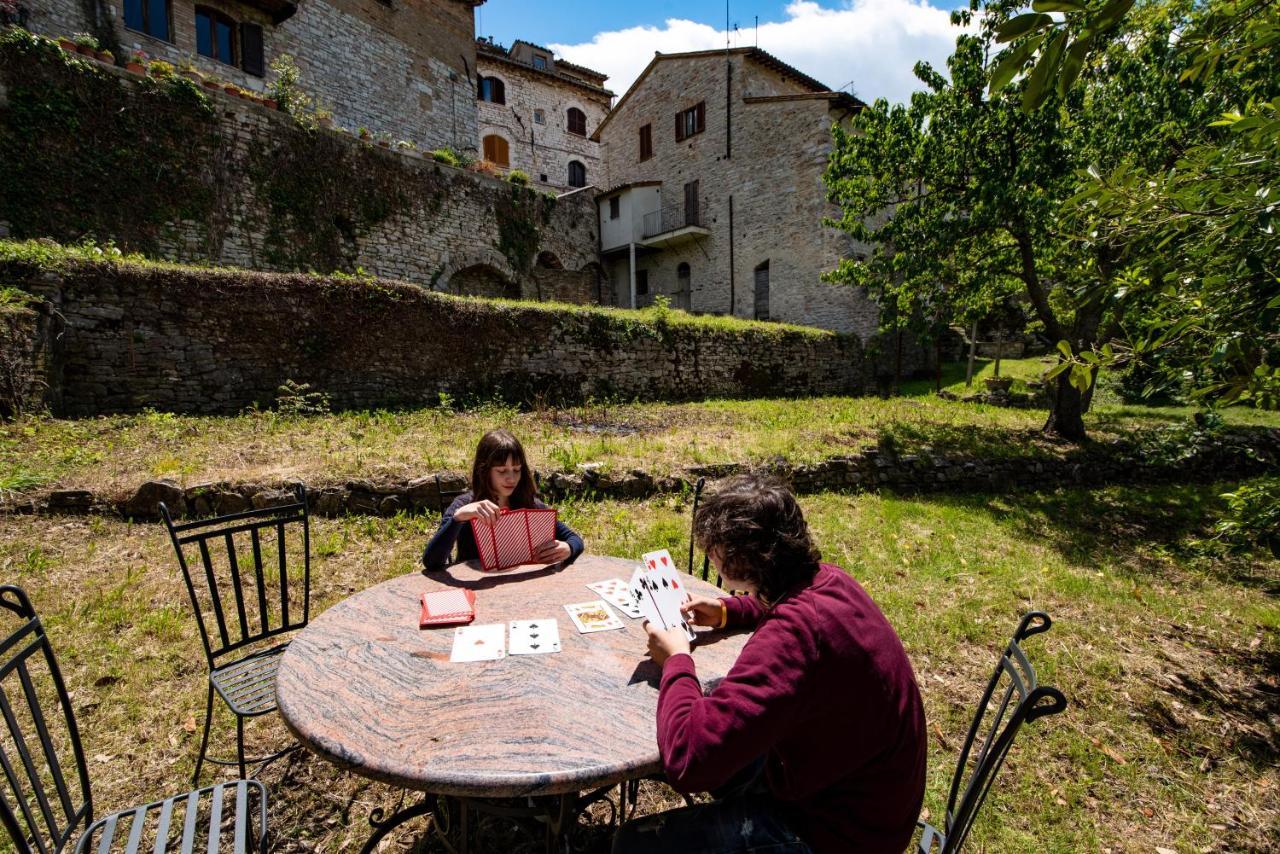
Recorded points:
616,593
478,643
533,637
593,616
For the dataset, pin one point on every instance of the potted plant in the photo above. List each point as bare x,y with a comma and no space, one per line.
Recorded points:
188,69
211,83
86,44
67,43
364,134
324,118
106,56
137,62
384,139
160,69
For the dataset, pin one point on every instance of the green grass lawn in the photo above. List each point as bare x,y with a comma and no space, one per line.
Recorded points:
1167,651
116,453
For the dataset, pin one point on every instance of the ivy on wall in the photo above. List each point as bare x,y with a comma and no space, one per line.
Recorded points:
87,156
521,216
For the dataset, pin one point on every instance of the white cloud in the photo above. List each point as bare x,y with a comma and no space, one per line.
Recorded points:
870,44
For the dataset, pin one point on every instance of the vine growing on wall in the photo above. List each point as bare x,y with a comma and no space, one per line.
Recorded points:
521,216
86,157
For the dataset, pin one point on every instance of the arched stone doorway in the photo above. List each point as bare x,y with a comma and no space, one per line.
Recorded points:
482,280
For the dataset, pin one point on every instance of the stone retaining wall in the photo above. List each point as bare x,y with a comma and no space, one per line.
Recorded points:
216,341
1227,455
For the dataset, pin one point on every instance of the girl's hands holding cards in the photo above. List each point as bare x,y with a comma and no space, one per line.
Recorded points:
485,511
552,551
664,643
702,611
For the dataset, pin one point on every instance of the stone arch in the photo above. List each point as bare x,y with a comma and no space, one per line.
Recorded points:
549,261
479,272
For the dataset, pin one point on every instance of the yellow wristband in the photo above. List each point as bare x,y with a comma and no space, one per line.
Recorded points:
724,615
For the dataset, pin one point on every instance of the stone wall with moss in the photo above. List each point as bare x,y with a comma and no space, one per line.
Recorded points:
181,172
197,340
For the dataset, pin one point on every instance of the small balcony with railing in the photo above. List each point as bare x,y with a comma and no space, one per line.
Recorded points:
674,224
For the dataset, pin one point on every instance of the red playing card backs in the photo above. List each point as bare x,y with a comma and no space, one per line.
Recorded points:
447,608
510,540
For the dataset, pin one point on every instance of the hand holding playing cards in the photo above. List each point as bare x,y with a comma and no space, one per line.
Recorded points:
702,611
552,551
664,643
485,511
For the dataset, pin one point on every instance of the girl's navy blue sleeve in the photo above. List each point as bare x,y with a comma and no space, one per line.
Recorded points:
568,535
438,552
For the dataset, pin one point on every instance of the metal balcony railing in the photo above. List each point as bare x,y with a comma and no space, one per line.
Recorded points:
671,218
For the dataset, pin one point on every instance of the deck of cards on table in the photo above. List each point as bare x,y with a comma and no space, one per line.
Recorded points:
513,537
657,591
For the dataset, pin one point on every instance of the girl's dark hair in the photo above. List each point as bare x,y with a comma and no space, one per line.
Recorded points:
756,526
495,449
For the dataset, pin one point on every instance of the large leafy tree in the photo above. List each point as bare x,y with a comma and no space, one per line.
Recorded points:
1202,265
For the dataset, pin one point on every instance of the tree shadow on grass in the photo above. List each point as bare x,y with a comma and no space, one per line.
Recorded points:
1166,527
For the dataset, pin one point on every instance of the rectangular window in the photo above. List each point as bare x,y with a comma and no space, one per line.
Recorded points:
646,142
642,282
150,17
614,208
540,62
539,117
691,121
215,36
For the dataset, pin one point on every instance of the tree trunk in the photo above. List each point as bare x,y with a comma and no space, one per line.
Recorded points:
1066,411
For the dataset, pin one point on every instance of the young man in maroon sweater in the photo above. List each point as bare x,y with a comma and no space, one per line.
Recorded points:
818,728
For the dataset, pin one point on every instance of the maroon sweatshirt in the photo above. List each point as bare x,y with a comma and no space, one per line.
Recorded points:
825,692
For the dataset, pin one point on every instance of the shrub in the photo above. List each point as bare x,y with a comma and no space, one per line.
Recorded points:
286,90
296,399
160,68
1252,519
518,176
446,156
86,40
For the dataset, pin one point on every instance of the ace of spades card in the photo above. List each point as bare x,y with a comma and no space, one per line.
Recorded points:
657,590
533,637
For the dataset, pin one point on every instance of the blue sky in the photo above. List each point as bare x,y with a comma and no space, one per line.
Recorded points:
867,46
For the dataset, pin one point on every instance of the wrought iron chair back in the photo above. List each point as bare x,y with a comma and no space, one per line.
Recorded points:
42,742
238,576
1013,697
445,497
706,572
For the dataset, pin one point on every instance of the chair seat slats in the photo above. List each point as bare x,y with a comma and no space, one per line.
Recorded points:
162,830
215,821
248,685
108,834
135,830
189,826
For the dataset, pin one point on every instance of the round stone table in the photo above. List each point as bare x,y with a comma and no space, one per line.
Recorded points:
365,688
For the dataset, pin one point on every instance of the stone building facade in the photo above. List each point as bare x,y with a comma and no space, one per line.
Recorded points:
400,68
714,197
537,113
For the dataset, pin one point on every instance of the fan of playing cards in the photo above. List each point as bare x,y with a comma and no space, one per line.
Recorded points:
513,538
656,590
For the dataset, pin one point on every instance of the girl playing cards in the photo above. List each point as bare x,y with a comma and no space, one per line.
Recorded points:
818,730
500,479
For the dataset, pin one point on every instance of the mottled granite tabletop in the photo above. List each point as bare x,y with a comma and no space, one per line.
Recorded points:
365,688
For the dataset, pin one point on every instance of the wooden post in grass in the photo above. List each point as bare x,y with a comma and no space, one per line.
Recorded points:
973,345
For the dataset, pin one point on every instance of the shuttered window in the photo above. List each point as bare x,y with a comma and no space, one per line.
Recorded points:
496,150
577,174
691,121
646,142
251,56
577,121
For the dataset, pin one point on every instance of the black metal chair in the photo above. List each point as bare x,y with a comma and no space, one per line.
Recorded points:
43,810
706,573
1000,715
266,601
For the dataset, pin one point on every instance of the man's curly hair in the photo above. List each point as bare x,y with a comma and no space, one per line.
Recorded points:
757,528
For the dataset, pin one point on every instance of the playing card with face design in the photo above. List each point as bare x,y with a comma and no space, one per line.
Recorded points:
533,637
479,643
615,592
593,616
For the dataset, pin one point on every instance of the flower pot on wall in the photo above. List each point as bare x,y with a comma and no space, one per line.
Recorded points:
212,84
192,74
271,103
135,67
86,50
231,89
68,45
104,56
